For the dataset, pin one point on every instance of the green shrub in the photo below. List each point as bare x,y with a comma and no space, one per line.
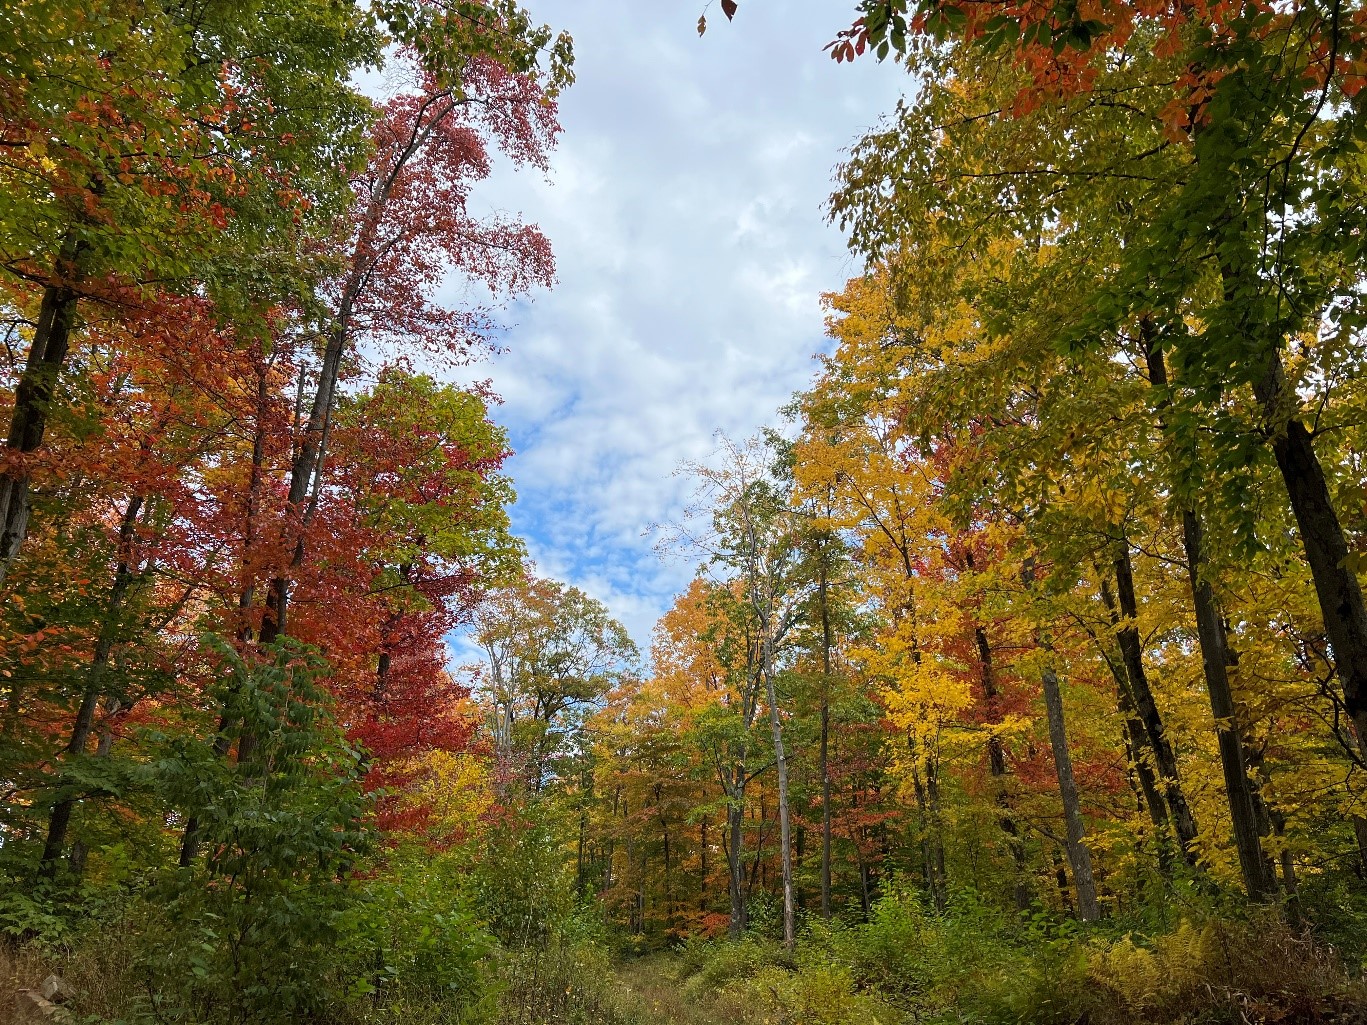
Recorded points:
240,935
413,948
729,961
523,886
562,984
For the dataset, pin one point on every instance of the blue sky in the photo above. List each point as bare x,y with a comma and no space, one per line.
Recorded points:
685,207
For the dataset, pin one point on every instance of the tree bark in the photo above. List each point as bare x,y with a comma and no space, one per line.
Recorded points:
59,819
1079,857
996,761
33,398
784,826
735,814
1326,548
1215,665
1132,656
1214,661
824,764
1145,781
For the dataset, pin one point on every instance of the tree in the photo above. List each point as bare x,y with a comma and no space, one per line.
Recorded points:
552,656
754,538
1240,246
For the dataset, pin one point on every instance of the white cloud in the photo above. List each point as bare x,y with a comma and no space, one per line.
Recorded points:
685,209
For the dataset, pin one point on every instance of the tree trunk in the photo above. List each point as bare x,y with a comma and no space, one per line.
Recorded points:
308,460
735,814
824,764
60,817
932,868
1326,549
1360,837
784,826
33,398
1142,778
996,761
1215,666
702,852
189,844
1132,656
1078,856
1146,784
1214,662
940,890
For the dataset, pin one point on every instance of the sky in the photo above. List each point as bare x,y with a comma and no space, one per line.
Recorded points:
685,208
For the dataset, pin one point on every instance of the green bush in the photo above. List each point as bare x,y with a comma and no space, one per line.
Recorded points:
523,885
414,949
240,934
724,962
567,983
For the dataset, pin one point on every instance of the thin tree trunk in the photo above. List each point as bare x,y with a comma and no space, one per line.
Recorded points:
1146,783
60,817
1078,856
702,851
306,469
1211,634
189,844
940,892
918,789
784,826
735,812
996,761
611,852
1132,655
1215,666
1272,821
1142,778
824,764
865,897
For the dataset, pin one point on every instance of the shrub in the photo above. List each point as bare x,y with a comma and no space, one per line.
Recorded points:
241,933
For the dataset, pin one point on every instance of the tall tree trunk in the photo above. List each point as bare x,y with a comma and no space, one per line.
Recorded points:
189,843
922,796
1141,693
1078,855
996,761
1326,548
1145,782
1271,820
824,763
865,891
1215,664
306,468
33,399
940,890
611,852
305,472
784,826
60,817
1214,661
1136,741
735,821
1360,837
702,853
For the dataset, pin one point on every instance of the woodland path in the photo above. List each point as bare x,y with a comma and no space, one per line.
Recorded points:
658,998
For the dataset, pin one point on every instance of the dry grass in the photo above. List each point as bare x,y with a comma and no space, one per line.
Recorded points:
649,985
100,976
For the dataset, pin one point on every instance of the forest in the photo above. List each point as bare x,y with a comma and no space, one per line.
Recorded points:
1022,673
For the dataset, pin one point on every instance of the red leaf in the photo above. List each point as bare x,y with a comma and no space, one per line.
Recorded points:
728,8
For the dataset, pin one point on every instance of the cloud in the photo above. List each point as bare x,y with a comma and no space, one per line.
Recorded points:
685,209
